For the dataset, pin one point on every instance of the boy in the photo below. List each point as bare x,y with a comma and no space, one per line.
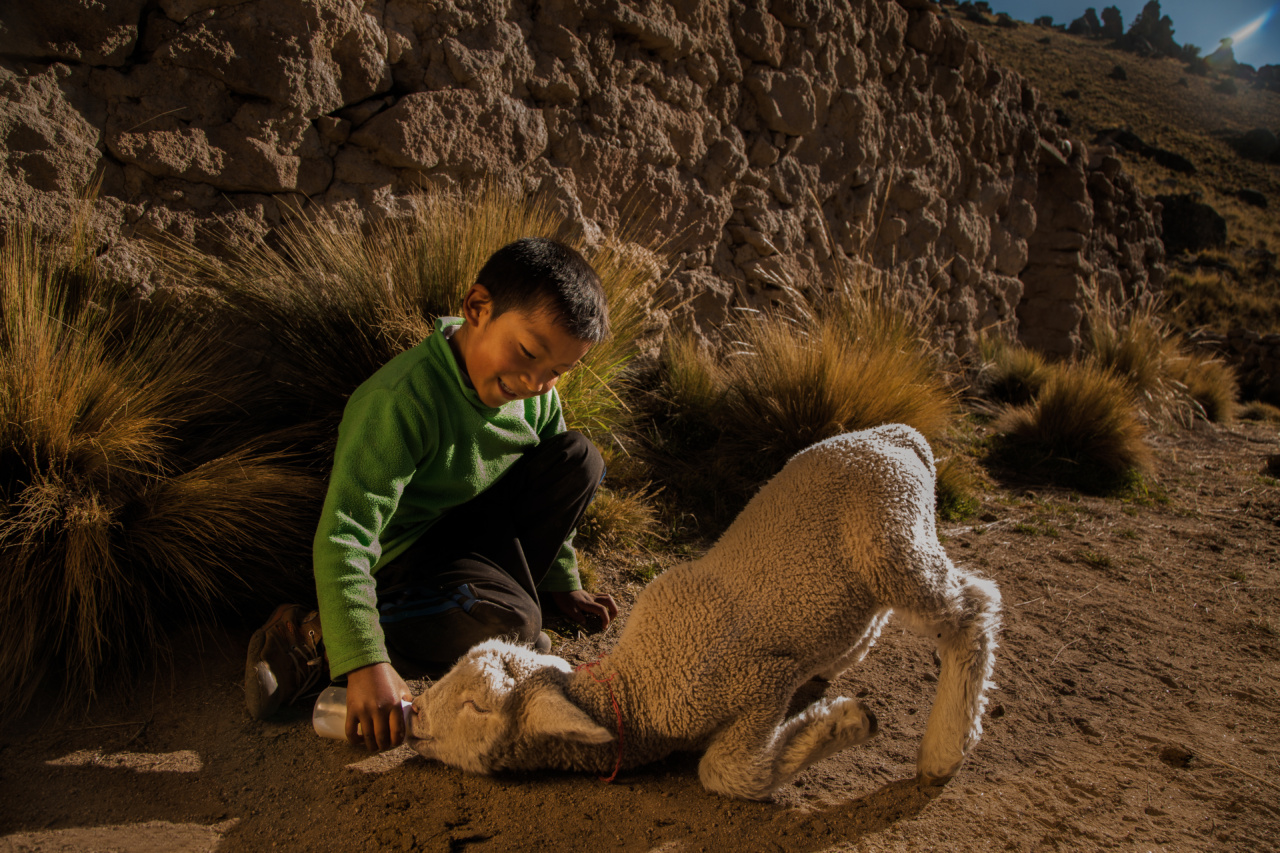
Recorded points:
454,494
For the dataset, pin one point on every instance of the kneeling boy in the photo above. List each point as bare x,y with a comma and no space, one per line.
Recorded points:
454,495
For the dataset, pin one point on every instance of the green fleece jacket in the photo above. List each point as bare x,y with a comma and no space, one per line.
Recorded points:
415,441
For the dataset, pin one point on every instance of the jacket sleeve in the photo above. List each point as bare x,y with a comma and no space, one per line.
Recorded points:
381,443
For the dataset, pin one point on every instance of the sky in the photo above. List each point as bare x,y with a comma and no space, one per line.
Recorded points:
1200,22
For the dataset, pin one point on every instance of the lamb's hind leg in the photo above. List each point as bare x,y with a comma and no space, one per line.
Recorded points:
859,651
966,637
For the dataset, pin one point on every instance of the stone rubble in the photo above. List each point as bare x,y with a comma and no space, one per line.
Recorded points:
777,144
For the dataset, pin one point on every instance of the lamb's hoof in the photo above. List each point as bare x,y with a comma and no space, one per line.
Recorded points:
873,725
928,780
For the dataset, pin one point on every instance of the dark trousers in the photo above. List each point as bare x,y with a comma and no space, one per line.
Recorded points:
474,574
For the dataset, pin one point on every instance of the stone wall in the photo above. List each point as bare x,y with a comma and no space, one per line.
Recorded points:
778,143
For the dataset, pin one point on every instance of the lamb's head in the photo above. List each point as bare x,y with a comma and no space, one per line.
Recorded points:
484,714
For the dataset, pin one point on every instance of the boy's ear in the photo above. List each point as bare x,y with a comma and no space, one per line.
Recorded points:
549,713
476,304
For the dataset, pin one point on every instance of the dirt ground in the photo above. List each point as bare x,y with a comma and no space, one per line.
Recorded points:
1138,709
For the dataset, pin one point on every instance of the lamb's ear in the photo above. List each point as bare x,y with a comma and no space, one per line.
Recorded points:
549,713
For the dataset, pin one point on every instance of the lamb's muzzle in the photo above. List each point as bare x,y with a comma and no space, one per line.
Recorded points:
799,586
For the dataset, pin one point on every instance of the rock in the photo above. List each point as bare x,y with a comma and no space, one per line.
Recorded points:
312,57
1190,225
1258,144
1117,72
1086,25
1171,160
1112,23
456,130
1252,197
49,145
93,33
760,36
786,101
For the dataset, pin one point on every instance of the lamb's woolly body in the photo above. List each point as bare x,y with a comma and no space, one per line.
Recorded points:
799,586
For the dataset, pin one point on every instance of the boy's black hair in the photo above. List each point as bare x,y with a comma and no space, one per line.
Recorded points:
538,274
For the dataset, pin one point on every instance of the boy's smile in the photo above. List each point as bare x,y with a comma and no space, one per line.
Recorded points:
515,355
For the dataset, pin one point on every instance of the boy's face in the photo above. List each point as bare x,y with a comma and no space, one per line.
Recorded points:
514,355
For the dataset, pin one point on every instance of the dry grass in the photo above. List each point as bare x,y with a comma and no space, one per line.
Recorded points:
1259,411
1008,373
1223,298
128,504
618,519
1208,383
338,303
1082,426
959,482
788,380
1169,380
849,366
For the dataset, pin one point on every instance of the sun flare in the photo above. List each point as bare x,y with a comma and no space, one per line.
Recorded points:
1253,26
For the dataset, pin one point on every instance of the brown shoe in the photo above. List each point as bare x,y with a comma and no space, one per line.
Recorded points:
286,660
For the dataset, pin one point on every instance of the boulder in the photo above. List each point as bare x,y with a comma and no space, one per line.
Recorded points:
1258,144
1190,225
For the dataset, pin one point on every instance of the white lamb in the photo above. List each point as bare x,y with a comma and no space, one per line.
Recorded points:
798,587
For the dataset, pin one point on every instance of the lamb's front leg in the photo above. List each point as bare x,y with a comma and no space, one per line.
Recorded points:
739,760
966,645
751,758
821,730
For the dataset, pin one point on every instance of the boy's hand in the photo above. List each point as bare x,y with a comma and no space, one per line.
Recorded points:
373,706
584,607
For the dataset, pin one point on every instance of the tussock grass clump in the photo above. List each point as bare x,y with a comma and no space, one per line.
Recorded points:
847,368
128,502
337,302
1082,427
1256,410
617,519
1170,381
1133,343
787,380
1209,384
1008,373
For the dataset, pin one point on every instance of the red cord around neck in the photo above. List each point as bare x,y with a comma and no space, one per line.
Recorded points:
617,765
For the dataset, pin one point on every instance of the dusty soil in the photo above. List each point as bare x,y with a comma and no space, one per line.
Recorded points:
1138,709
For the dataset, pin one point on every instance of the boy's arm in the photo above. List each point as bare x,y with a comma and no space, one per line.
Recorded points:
380,444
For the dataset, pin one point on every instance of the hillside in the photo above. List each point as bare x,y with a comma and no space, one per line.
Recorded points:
1169,108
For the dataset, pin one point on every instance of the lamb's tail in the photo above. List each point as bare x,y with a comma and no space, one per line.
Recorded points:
966,639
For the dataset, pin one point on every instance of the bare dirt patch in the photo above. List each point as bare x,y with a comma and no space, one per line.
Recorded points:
1138,705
